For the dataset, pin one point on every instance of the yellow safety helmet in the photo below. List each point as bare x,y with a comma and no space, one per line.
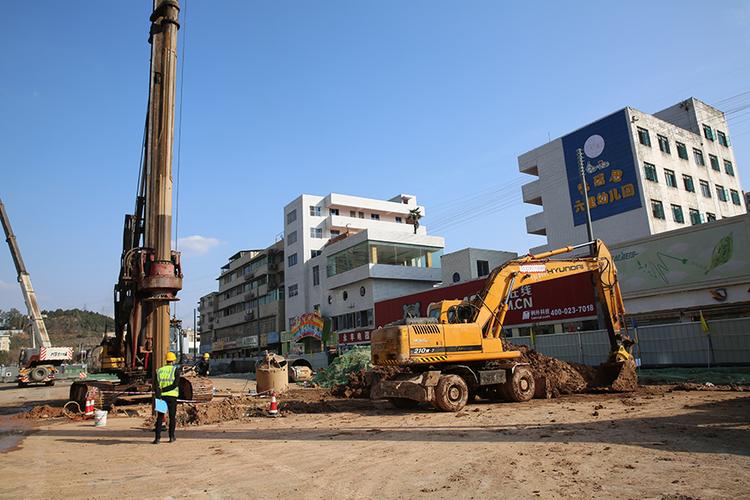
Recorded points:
171,356
206,355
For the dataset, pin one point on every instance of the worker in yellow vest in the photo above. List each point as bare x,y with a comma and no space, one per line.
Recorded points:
167,389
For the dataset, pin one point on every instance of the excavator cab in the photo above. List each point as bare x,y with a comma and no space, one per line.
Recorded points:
451,311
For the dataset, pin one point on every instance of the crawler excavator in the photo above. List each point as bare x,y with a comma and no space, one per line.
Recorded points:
150,271
457,352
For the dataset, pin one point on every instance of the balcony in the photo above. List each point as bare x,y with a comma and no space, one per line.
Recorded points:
532,193
536,224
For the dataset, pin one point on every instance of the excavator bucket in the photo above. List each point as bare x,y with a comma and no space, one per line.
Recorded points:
618,376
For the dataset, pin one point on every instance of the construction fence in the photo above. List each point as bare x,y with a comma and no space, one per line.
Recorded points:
727,342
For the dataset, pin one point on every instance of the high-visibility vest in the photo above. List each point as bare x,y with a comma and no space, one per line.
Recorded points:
165,375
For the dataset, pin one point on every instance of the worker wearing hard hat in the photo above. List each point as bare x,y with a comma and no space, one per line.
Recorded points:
167,389
202,367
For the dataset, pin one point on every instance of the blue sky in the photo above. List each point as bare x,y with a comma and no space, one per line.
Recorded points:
367,98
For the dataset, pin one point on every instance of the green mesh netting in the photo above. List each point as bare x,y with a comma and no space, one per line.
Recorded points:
349,362
719,375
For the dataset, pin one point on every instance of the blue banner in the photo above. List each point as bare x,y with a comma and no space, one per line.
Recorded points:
609,167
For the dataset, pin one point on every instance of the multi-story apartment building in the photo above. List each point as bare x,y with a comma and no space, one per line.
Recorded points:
647,174
344,253
250,311
208,309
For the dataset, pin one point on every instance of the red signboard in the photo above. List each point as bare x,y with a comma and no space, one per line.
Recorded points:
557,300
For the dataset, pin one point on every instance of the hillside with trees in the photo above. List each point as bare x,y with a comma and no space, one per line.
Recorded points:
66,327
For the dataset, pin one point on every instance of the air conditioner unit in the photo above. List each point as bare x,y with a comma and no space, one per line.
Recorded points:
250,315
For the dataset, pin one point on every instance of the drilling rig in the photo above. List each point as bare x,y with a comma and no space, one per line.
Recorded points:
150,271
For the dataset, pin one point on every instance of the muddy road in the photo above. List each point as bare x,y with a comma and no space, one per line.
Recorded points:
655,443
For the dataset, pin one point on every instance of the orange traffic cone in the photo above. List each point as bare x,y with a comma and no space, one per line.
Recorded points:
89,407
273,407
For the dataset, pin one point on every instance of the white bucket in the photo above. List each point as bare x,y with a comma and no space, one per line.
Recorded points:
100,418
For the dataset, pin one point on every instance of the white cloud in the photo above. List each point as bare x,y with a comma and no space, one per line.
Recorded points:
197,244
6,286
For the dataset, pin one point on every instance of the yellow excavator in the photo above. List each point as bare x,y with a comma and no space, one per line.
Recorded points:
457,353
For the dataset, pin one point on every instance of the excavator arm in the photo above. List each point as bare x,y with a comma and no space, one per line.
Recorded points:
488,309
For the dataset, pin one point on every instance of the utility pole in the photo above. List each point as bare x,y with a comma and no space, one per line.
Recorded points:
159,140
582,172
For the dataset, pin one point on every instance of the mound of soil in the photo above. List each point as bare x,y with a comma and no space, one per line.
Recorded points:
555,377
360,381
43,412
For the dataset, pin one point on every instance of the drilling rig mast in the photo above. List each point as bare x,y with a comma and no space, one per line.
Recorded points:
150,271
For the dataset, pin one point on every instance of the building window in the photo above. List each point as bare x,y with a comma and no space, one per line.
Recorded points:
333,211
681,150
292,291
361,215
314,211
291,260
643,137
345,295
705,189
721,193
399,220
728,168
710,217
315,253
382,253
688,181
483,268
456,277
362,291
677,214
335,232
735,196
657,209
671,179
698,154
316,232
714,162
352,213
650,171
291,216
695,217
316,275
291,238
375,216
708,132
663,144
722,138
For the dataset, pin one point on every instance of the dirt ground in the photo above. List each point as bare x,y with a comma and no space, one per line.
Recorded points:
655,443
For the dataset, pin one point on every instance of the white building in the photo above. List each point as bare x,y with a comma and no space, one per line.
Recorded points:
344,253
647,174
472,263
